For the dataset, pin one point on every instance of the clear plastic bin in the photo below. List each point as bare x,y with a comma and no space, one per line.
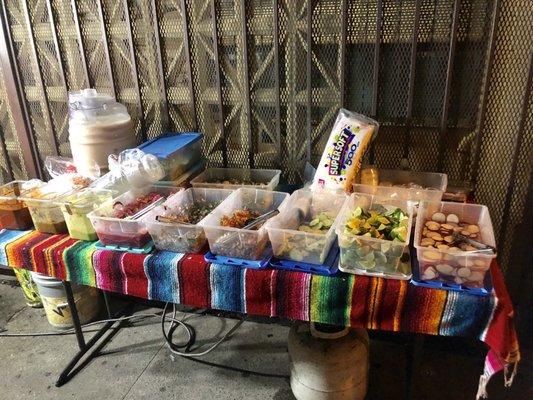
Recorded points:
365,255
75,208
234,178
467,268
179,237
14,213
177,152
433,185
126,232
241,243
43,202
184,180
303,207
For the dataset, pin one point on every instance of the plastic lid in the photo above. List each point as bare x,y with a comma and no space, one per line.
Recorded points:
88,197
12,190
88,104
166,145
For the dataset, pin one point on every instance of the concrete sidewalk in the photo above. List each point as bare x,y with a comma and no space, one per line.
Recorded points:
137,364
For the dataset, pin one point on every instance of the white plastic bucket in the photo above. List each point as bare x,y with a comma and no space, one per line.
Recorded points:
54,298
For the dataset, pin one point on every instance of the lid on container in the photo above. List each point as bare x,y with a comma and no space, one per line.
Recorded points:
87,104
12,190
60,186
87,198
166,145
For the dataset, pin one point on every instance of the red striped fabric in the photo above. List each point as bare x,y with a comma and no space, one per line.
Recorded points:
195,288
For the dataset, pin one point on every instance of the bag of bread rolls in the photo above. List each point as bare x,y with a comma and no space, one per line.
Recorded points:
347,144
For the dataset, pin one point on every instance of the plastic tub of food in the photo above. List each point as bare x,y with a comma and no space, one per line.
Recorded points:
177,152
121,223
43,202
173,225
405,185
184,180
305,231
441,256
373,235
223,226
14,213
234,178
75,208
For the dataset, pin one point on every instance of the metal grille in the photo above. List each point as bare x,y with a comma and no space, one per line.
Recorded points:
263,80
11,160
504,170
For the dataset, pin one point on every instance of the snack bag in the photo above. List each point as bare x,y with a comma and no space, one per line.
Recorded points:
347,144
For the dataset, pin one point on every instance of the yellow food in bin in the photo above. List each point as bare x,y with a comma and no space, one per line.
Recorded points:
75,208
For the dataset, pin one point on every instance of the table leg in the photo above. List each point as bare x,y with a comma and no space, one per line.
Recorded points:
91,348
413,361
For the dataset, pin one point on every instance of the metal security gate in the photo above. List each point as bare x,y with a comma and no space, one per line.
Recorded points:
449,80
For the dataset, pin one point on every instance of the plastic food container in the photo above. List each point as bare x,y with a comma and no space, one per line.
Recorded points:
98,127
433,185
365,255
234,178
184,180
75,208
241,243
181,237
127,232
14,213
467,268
43,202
177,152
304,207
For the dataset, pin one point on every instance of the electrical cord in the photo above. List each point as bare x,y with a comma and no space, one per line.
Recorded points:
71,331
183,350
187,351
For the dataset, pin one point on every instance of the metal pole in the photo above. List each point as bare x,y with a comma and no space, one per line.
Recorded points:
106,47
246,95
16,99
74,313
412,75
447,89
375,73
134,70
342,49
54,148
218,83
519,140
155,21
309,73
187,49
276,81
81,44
483,109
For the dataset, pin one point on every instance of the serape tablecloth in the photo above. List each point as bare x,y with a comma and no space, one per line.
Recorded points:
349,300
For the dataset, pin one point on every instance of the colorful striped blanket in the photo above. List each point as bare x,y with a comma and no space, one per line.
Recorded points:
349,300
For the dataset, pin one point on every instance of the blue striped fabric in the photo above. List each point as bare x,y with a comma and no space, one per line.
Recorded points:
7,237
161,270
227,287
465,315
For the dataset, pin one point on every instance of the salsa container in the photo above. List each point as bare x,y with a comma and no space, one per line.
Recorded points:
14,213
241,243
222,178
180,237
125,232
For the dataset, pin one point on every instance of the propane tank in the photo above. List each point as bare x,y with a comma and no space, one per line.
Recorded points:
328,363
